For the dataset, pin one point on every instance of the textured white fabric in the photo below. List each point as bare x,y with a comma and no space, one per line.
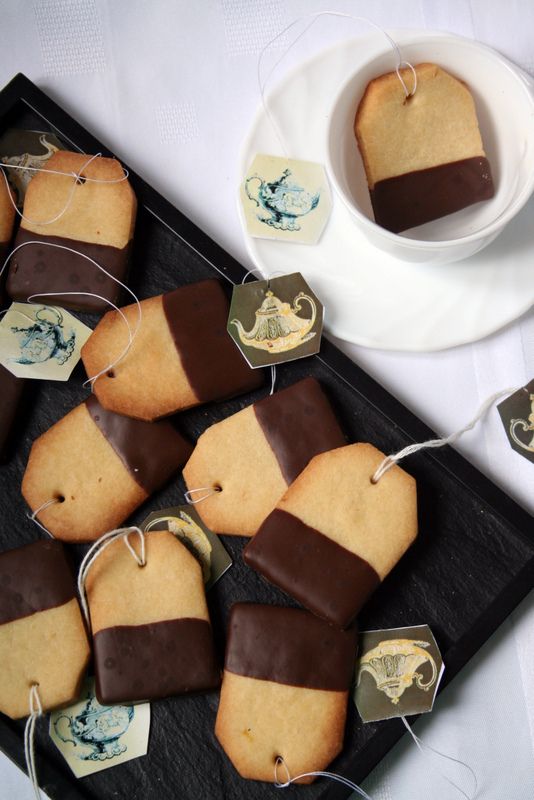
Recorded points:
170,85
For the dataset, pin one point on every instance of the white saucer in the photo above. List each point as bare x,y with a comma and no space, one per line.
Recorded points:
372,298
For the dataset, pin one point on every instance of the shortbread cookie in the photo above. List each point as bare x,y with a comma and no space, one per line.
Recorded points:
42,635
423,155
181,347
151,628
7,220
98,222
10,395
284,692
253,456
334,536
101,466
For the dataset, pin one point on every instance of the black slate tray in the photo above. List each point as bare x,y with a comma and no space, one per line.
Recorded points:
471,565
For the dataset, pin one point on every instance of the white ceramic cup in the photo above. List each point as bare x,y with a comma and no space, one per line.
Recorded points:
504,98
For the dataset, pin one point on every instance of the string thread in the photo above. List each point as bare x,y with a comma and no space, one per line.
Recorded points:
97,548
394,458
315,774
36,710
208,491
422,746
33,515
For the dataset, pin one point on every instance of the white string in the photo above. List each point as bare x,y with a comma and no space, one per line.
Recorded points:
77,179
131,336
33,515
319,774
314,17
36,710
209,490
273,379
420,745
96,549
391,460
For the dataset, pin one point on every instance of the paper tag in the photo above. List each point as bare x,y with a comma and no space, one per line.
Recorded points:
185,523
41,342
397,673
26,149
277,320
517,415
91,737
286,199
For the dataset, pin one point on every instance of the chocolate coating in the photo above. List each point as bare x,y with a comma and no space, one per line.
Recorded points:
151,451
10,394
34,578
197,317
326,578
298,423
145,662
289,646
35,269
414,198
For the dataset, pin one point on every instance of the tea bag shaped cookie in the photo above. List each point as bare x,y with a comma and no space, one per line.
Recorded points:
423,155
181,356
334,535
98,220
284,694
10,395
100,466
151,629
7,220
253,456
42,635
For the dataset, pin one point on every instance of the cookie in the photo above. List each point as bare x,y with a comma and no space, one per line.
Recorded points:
423,155
151,628
284,694
253,456
334,535
7,221
42,635
101,466
182,348
98,222
10,395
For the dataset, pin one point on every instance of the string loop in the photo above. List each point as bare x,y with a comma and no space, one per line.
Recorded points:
36,711
97,548
394,458
318,774
33,515
208,491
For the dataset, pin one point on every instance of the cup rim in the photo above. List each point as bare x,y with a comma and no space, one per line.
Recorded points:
526,83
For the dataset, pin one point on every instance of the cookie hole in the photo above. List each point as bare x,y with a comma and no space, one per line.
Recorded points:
110,374
80,179
217,487
60,498
373,481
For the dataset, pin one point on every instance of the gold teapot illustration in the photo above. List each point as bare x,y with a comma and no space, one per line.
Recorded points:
526,425
393,665
277,327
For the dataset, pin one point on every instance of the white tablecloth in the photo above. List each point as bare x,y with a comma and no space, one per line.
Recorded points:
170,85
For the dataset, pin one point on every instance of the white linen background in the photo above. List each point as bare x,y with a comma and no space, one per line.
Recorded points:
170,86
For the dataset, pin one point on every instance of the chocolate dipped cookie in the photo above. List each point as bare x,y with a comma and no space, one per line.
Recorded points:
335,535
7,221
93,218
42,635
10,397
284,694
181,347
100,467
423,155
151,628
251,457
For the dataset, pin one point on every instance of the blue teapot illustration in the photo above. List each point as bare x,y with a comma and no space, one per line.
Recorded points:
285,201
97,727
44,339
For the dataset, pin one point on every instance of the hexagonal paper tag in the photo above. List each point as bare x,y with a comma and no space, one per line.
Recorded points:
398,672
92,737
276,320
42,342
517,415
286,199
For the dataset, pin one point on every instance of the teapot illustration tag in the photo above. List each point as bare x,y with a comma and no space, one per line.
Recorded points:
42,342
185,523
398,672
276,320
92,737
29,150
517,415
285,199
